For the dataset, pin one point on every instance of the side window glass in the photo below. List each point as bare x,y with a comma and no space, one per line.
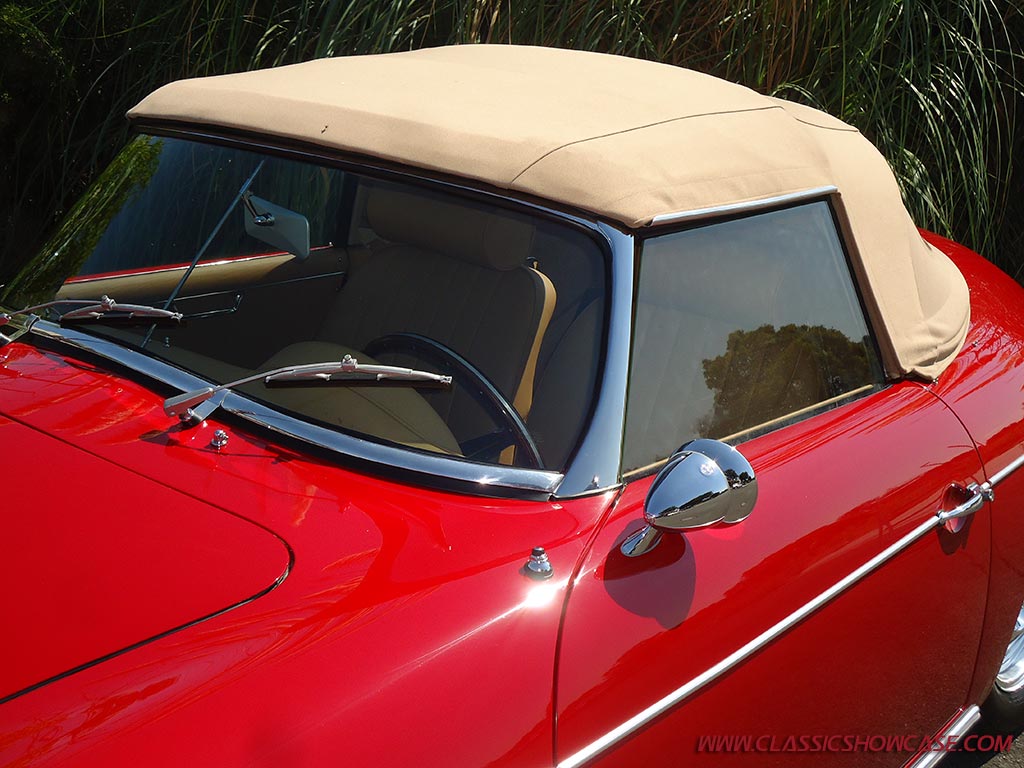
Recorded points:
742,326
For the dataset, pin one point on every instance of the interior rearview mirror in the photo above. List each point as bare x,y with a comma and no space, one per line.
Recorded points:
276,226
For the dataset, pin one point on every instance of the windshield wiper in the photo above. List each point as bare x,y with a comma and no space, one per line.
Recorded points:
348,372
103,310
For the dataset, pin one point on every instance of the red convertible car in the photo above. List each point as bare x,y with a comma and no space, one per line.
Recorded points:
504,406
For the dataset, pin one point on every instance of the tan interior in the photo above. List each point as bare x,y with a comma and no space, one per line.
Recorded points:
625,139
460,273
456,274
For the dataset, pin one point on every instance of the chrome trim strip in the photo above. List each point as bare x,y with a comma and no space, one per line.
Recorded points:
1006,471
750,205
479,478
958,728
115,351
661,706
596,464
482,476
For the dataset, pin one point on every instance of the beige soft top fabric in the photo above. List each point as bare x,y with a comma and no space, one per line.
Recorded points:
623,138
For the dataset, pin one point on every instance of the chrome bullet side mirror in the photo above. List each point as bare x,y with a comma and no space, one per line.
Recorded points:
705,482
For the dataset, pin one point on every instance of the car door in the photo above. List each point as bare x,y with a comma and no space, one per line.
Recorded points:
840,620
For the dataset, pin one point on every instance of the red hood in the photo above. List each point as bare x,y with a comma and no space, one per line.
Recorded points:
99,559
122,525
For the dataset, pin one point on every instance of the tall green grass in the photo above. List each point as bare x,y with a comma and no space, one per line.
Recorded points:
934,83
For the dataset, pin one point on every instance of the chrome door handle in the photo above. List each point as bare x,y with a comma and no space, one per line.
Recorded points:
979,494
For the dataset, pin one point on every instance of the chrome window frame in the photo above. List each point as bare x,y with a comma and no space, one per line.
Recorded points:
594,466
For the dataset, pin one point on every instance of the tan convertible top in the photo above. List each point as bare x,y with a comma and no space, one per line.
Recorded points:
626,139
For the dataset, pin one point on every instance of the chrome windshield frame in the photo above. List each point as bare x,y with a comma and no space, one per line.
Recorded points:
593,468
597,464
465,476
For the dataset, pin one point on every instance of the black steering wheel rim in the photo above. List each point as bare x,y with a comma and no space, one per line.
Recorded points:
480,387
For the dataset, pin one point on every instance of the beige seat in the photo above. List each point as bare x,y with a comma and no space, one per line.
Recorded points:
456,273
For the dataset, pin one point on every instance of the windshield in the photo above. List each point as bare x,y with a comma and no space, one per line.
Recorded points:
274,263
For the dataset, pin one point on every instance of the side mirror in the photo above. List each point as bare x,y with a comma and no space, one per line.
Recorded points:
276,226
705,482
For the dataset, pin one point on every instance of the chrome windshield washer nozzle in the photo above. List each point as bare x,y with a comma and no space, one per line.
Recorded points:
219,440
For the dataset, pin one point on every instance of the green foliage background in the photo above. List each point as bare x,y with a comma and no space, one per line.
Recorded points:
936,84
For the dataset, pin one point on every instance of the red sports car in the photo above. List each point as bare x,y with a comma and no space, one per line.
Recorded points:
504,406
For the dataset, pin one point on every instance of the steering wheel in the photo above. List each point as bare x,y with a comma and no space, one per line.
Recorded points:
471,378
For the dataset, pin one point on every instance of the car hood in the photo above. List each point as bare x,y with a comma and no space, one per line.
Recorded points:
100,559
121,524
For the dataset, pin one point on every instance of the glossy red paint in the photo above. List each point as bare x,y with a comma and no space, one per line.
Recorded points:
893,654
398,595
159,559
406,622
834,491
985,386
201,266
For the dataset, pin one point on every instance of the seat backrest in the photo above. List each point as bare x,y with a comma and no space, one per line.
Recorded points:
457,273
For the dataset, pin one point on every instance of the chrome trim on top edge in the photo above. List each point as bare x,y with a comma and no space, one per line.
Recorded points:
958,728
478,477
750,205
664,704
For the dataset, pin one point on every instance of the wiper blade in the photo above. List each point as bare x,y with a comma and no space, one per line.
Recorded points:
104,310
107,310
350,371
347,372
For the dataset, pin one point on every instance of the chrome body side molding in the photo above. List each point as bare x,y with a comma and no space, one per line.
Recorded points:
745,207
1006,471
688,689
957,728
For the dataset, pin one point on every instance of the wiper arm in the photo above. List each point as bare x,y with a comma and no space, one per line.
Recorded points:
349,371
105,310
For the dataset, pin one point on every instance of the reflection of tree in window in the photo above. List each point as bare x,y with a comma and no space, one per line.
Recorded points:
85,224
768,373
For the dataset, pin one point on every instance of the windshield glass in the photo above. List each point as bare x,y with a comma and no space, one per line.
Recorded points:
274,262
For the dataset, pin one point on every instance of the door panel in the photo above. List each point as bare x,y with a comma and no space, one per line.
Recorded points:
892,655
